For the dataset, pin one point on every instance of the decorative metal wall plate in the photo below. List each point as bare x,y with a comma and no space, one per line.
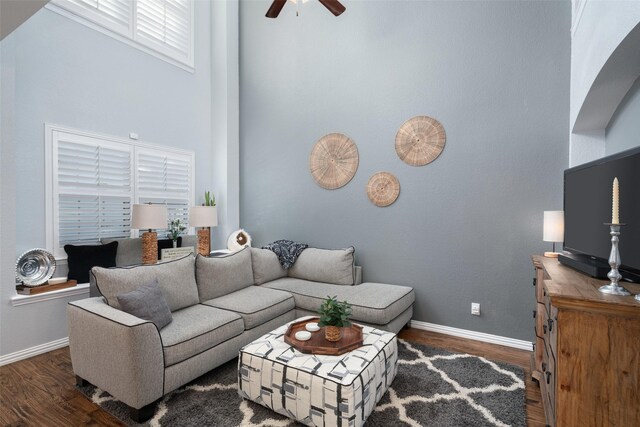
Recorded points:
420,140
35,267
383,189
333,161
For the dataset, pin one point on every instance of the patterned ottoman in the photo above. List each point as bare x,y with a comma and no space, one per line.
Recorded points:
318,390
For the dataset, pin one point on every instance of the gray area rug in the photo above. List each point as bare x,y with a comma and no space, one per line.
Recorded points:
433,388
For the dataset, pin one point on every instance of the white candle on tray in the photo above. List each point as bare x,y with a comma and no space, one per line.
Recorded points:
615,217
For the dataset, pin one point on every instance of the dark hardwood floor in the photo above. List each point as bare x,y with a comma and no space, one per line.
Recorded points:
40,391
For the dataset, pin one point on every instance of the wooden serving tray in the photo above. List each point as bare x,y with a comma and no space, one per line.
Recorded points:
34,290
351,339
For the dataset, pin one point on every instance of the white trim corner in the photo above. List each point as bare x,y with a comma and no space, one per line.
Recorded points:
33,351
473,335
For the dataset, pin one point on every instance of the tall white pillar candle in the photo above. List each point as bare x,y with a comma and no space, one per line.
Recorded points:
615,214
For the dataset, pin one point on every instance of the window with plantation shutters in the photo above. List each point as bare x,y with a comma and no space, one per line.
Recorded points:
166,25
112,14
94,183
95,180
165,179
163,28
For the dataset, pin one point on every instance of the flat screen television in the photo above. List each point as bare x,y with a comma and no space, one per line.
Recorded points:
587,206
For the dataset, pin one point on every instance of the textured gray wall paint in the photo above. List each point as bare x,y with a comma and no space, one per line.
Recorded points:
623,131
496,74
71,75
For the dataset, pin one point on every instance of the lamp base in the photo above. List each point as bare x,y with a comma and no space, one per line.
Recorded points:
204,241
150,247
551,254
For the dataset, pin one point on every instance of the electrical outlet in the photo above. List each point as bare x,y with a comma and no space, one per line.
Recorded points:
475,308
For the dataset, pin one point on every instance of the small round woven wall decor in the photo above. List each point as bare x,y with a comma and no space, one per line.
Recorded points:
420,140
383,189
333,161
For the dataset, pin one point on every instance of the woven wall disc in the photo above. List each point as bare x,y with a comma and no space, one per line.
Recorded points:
420,140
333,161
383,189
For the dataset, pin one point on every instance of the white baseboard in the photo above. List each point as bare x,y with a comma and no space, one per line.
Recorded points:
473,335
33,351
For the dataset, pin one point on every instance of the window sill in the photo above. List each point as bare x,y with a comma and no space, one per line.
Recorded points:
81,289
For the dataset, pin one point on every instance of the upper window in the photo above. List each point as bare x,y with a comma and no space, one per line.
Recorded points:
161,27
92,181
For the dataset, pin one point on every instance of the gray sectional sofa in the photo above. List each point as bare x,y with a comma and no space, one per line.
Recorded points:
218,305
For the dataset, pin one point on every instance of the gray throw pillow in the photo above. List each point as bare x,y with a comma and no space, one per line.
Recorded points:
148,303
334,266
266,266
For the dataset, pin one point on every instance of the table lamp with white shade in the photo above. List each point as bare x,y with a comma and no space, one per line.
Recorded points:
553,230
205,217
148,217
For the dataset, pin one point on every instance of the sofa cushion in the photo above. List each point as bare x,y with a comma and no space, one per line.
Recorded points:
147,303
129,251
218,276
175,278
80,259
196,329
255,304
374,303
266,266
325,265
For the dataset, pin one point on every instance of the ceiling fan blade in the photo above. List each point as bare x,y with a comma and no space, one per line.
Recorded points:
275,8
334,6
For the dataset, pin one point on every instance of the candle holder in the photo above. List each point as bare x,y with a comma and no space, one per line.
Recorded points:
614,261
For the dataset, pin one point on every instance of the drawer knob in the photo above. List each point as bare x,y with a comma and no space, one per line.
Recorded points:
535,281
534,314
544,328
548,374
550,322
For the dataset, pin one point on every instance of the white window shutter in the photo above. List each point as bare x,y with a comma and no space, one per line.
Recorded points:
94,182
165,23
165,178
112,14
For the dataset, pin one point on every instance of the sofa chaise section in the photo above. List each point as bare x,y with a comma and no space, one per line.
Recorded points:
388,307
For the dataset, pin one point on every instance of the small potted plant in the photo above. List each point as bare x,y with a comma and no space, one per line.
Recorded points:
334,316
176,227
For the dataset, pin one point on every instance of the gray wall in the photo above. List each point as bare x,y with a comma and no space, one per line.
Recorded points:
58,71
496,74
623,131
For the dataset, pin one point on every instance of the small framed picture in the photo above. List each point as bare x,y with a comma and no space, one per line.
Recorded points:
175,253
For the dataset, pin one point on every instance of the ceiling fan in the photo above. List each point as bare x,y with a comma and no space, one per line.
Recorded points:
334,7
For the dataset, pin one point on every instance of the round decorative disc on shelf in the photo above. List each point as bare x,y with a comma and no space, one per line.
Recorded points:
383,189
333,161
35,267
420,140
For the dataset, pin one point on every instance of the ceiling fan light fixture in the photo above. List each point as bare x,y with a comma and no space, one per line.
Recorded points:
334,7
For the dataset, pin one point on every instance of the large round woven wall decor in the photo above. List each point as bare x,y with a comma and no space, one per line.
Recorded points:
333,161
383,189
420,140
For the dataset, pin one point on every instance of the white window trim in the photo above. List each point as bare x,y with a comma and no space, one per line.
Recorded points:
152,48
50,182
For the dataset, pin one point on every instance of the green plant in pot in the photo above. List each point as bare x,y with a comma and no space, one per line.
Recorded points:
176,227
334,316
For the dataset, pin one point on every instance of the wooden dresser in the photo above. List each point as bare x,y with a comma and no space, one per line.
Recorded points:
587,349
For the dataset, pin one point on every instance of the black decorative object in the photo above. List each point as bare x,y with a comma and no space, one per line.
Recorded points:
82,258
